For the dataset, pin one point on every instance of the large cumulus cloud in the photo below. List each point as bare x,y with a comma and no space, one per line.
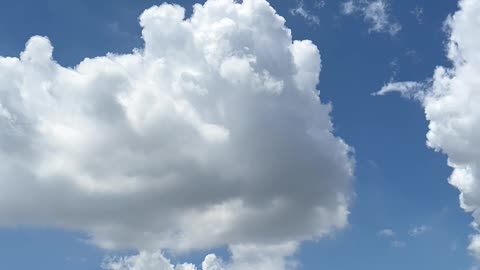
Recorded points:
451,100
212,134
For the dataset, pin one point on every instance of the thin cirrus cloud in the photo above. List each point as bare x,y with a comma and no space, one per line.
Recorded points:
212,134
451,101
375,12
398,244
418,13
392,238
418,230
301,11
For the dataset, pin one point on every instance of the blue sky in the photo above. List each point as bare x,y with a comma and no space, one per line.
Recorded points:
399,183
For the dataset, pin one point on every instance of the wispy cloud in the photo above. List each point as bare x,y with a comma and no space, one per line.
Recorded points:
418,230
418,13
414,56
398,244
392,238
375,12
386,233
319,4
300,10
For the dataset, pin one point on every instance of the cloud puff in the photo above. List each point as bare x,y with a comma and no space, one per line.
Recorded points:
386,233
375,12
212,134
144,261
418,230
243,258
474,246
451,100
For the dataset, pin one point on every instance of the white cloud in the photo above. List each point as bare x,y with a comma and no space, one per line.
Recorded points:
386,233
451,100
410,89
474,246
212,134
144,261
375,12
243,257
348,7
253,257
300,10
418,230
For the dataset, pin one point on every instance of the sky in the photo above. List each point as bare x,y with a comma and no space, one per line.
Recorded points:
278,135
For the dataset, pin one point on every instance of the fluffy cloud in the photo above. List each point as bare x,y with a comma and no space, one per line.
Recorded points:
451,100
212,134
144,261
244,257
474,246
375,12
